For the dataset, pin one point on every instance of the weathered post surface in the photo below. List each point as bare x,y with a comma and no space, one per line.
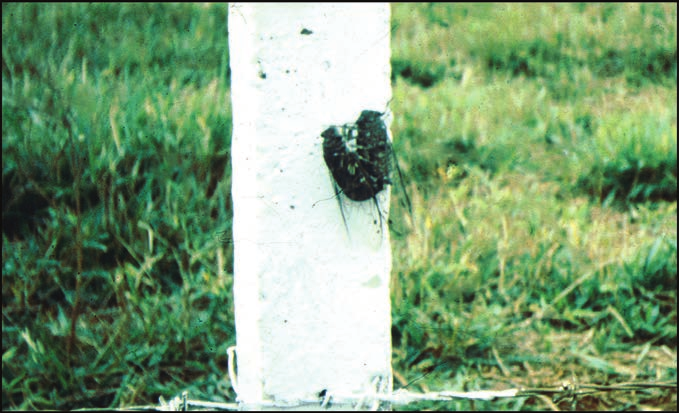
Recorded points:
311,295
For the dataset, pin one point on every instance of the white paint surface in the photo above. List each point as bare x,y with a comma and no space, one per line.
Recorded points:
311,300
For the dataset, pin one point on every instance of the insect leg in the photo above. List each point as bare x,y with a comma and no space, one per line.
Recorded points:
379,212
403,186
341,206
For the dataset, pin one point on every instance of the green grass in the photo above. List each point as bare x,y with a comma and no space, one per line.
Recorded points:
539,146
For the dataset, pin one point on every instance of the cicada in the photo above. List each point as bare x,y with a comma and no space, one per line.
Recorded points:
360,158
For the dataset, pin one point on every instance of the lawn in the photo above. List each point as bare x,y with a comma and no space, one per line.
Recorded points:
539,149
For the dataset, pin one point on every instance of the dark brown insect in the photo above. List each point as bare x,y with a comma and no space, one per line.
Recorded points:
359,156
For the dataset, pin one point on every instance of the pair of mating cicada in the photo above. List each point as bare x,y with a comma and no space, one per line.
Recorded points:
360,158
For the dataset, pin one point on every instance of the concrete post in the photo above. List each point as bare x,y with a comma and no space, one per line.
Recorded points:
311,296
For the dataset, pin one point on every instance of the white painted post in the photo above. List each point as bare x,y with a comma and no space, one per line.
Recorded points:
311,298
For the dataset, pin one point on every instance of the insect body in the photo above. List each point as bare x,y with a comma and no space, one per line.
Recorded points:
359,156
